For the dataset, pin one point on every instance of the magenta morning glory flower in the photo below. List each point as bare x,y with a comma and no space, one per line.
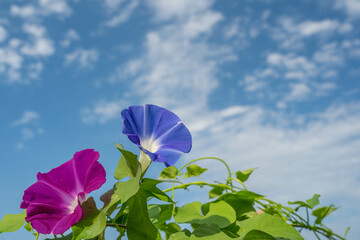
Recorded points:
157,132
53,203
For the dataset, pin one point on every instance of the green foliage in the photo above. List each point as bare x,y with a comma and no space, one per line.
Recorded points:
12,222
244,175
139,225
168,173
92,223
271,225
322,212
193,171
140,208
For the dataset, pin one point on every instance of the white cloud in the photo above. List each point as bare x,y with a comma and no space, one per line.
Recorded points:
102,112
3,34
85,58
299,91
291,62
329,54
24,12
27,134
26,118
41,45
10,64
352,7
165,10
123,12
42,8
290,34
34,70
309,28
27,121
70,36
252,83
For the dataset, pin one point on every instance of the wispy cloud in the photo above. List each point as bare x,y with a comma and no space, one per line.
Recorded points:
29,128
70,36
120,11
102,111
352,7
41,45
84,57
41,8
290,33
27,117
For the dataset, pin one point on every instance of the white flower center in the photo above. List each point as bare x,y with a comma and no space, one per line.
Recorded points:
78,200
150,145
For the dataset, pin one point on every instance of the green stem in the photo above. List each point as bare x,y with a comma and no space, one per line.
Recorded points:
215,158
194,183
114,223
37,236
242,184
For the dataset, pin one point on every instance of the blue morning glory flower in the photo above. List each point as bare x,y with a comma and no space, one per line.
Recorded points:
157,131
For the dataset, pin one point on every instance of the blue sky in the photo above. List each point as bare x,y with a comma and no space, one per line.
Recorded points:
265,83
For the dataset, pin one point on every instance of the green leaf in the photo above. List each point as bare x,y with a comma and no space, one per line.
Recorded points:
168,173
128,164
209,232
170,229
216,191
220,213
314,201
310,203
159,214
244,175
91,224
193,171
149,186
322,212
12,222
139,225
189,213
125,190
178,236
242,202
346,232
270,225
258,235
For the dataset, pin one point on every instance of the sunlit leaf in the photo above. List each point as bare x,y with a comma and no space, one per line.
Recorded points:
126,190
242,202
220,213
193,171
12,222
244,175
216,191
139,225
168,173
91,224
159,214
314,201
322,212
270,225
258,235
149,186
128,164
189,213
178,236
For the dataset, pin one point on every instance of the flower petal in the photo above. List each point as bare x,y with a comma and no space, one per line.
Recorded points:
157,131
92,176
53,203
